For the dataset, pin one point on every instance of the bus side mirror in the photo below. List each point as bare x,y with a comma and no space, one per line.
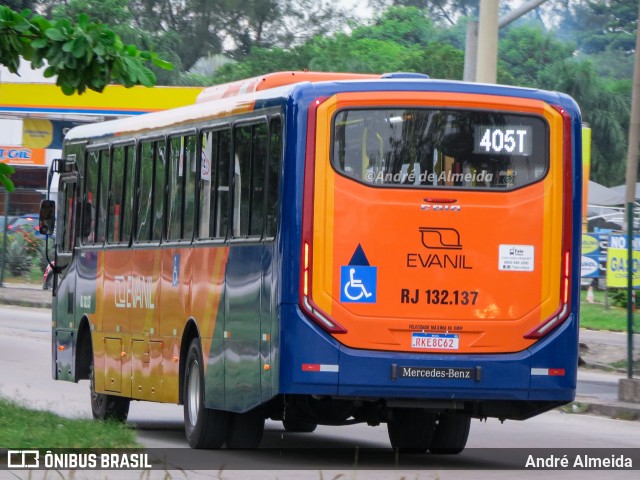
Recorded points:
47,217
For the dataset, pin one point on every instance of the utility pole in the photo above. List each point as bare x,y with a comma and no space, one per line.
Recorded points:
629,388
487,53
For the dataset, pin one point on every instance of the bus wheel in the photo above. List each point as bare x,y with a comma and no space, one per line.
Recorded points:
246,429
299,426
411,429
204,427
107,407
451,434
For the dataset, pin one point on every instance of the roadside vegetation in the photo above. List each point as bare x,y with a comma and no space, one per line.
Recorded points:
21,427
607,312
24,256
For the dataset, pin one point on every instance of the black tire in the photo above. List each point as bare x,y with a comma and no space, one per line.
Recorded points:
104,406
411,429
451,434
246,429
299,426
204,427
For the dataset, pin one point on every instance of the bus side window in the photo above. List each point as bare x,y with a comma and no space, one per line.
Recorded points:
258,166
158,190
66,202
90,197
242,180
214,184
145,200
181,188
273,177
189,187
207,179
222,185
115,206
103,196
175,188
250,143
129,193
88,223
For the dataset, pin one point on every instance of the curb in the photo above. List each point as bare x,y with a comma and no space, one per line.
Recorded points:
25,303
26,297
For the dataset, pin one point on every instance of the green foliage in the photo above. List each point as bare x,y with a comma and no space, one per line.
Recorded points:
620,298
21,427
31,242
5,172
405,26
598,317
80,55
607,25
18,261
25,253
526,51
400,40
604,108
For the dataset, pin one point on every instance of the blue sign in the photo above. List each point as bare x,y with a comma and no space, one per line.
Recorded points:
358,284
176,270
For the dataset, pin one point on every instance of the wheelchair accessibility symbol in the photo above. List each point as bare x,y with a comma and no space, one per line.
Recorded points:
358,284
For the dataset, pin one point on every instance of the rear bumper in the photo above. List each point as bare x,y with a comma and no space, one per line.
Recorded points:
312,362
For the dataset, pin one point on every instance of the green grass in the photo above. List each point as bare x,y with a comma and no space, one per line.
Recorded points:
24,428
599,316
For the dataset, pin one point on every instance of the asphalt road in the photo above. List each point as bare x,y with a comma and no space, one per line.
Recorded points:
26,376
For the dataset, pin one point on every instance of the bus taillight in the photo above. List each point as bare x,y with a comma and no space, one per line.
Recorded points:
562,313
305,287
306,303
317,315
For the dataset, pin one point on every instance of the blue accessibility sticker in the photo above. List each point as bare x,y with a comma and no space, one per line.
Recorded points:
175,277
358,284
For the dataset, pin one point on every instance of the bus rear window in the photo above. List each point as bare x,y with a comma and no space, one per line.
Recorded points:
440,148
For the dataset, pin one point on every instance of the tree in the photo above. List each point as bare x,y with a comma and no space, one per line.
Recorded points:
81,55
281,23
401,39
532,57
440,11
607,25
603,108
123,22
526,50
604,32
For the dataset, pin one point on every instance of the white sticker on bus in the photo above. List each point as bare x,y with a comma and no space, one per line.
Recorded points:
516,258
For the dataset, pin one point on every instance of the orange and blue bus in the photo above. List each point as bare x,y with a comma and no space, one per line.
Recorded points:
325,249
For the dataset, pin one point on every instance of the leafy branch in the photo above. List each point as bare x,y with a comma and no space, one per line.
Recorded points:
84,55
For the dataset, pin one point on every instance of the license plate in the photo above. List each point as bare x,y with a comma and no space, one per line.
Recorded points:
435,341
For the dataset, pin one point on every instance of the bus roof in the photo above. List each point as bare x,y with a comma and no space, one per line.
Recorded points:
272,80
233,98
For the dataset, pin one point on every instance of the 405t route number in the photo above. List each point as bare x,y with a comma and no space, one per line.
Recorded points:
438,297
